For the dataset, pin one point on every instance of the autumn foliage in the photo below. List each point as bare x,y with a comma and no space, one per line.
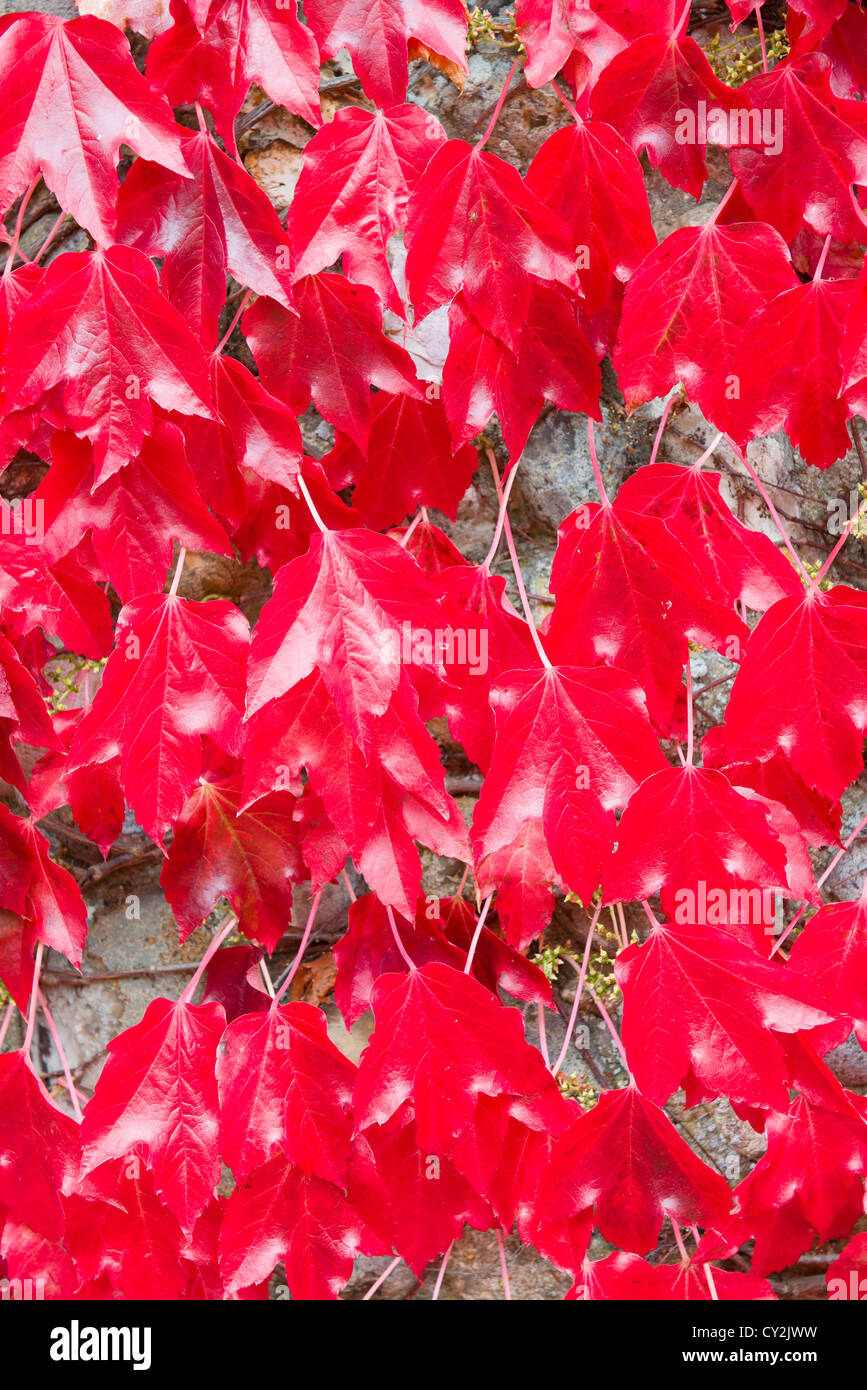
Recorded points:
227,1134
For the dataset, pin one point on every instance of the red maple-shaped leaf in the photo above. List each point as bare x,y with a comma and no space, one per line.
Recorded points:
94,794
176,674
157,1098
42,892
416,1201
233,978
552,30
701,1007
590,177
629,593
250,857
817,723
441,1041
474,226
685,309
625,1158
78,79
572,744
793,375
554,361
217,221
39,1148
410,461
823,151
809,1184
369,950
259,41
341,608
818,817
687,827
736,563
62,597
278,1213
285,1088
831,954
354,190
331,352
252,430
158,483
646,93
382,37
523,876
187,65
380,801
98,346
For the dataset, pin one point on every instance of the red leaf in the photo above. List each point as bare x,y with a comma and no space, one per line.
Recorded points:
818,723
263,43
157,483
218,220
793,376
354,189
553,29
39,890
592,180
627,1160
332,353
39,1148
234,980
689,836
628,593
378,802
475,226
187,65
157,1098
382,37
831,955
17,940
337,609
808,1184
685,310
250,857
285,1089
77,78
279,1214
736,563
823,152
98,346
441,1040
621,1277
176,674
645,93
410,462
416,1201
553,361
702,1008
571,746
